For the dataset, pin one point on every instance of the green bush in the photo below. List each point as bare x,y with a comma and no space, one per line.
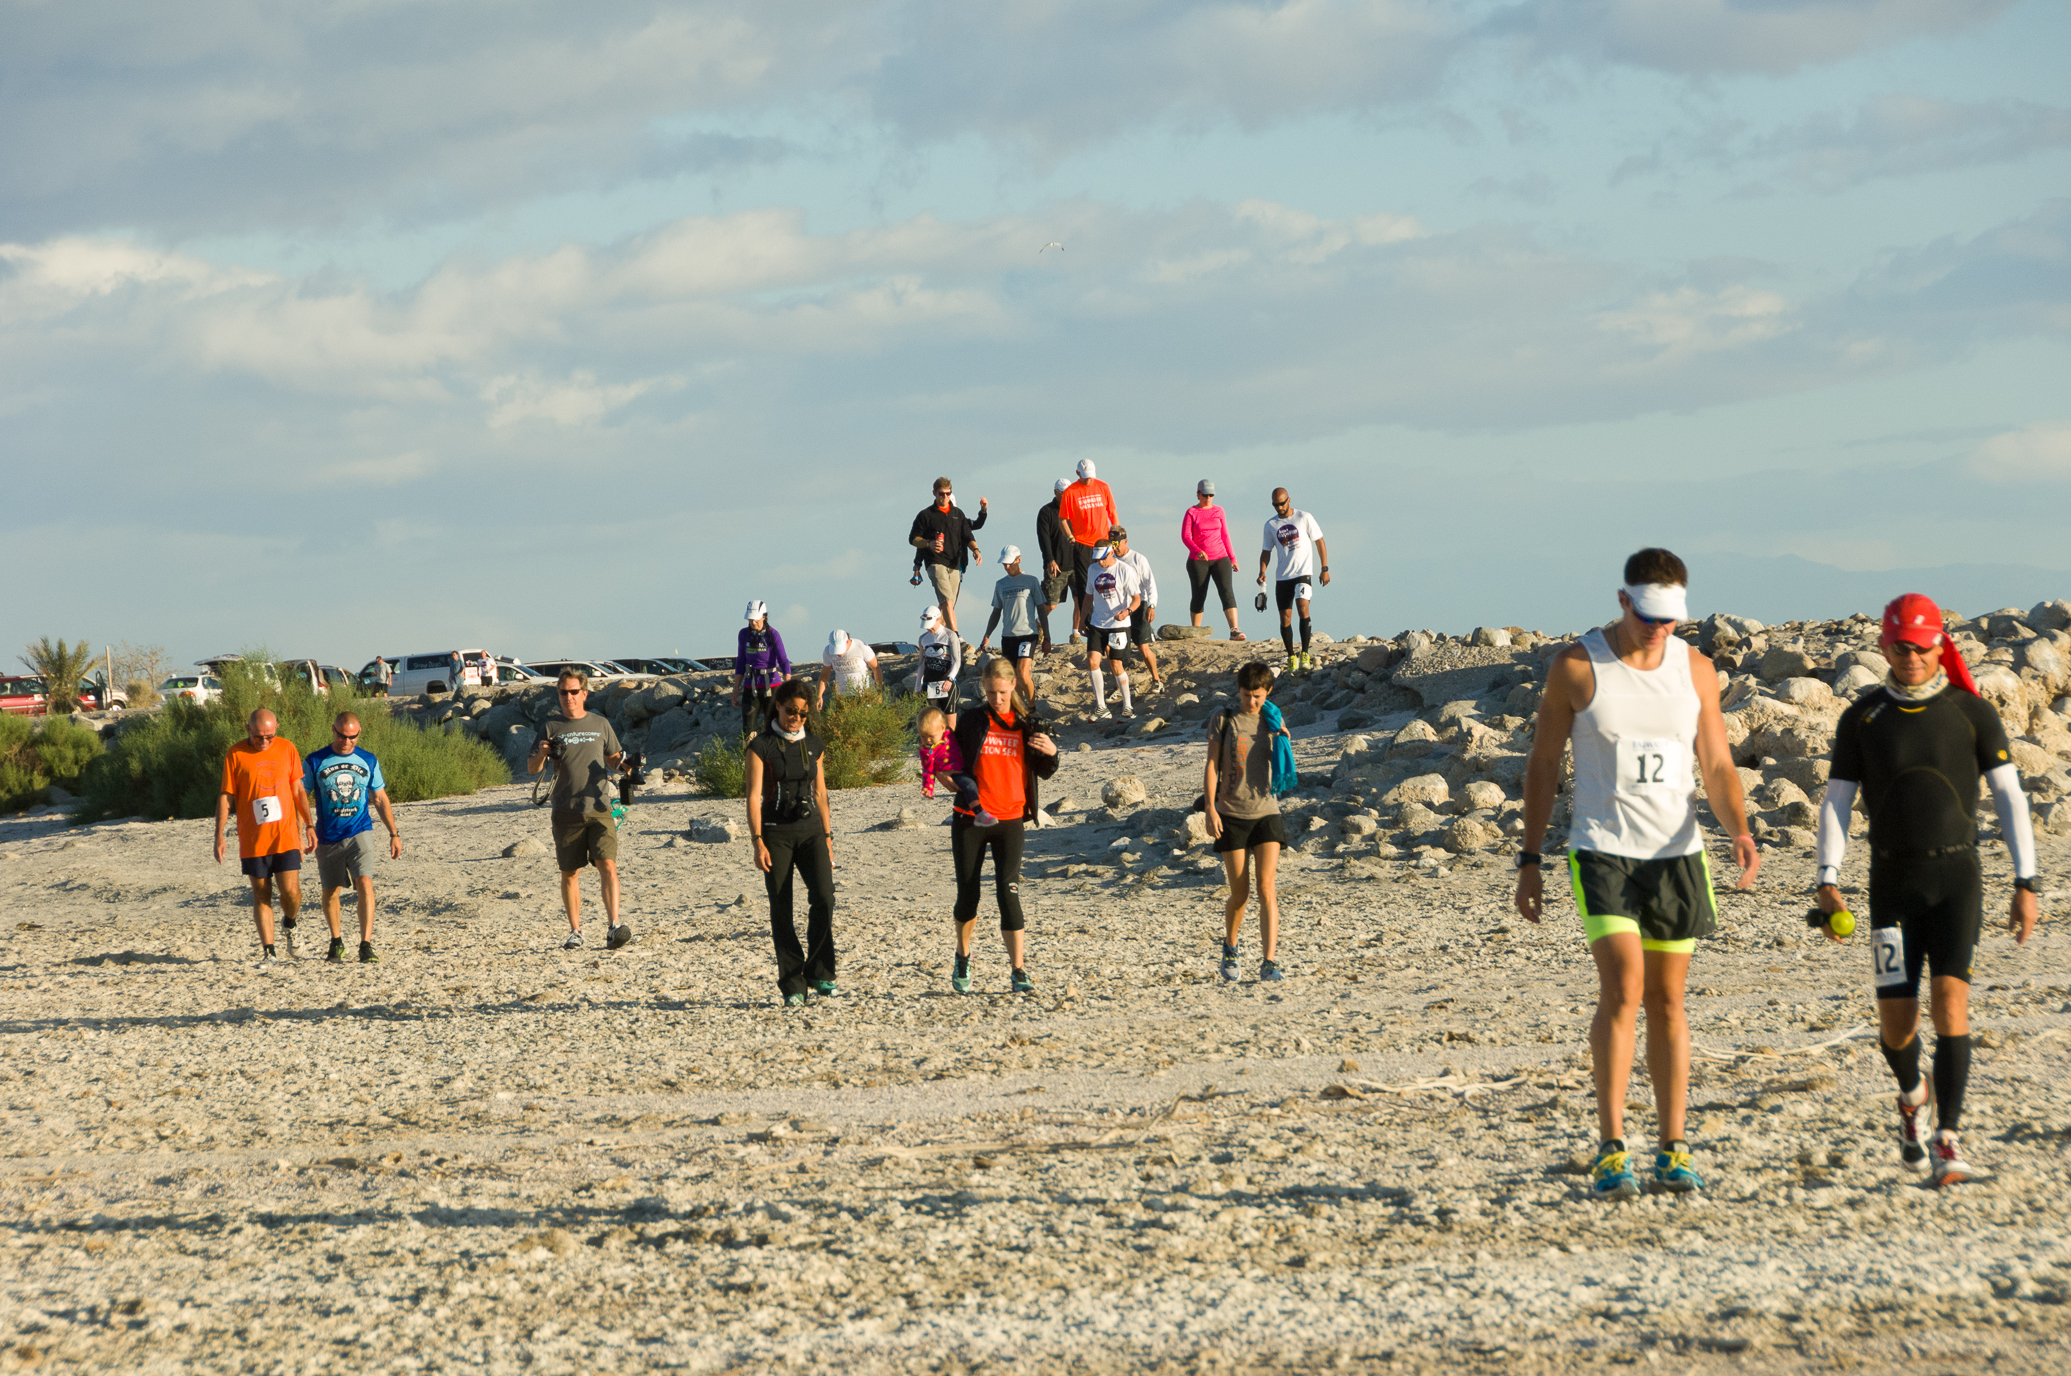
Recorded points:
171,765
723,768
36,753
869,736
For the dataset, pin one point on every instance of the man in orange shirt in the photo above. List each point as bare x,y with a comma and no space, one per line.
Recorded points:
262,778
1087,508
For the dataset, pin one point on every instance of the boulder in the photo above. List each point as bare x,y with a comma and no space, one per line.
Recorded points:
2029,758
1193,831
1354,719
1471,834
1783,662
1429,789
2057,822
2046,662
2050,616
518,850
1868,659
1359,824
1375,658
516,744
1489,635
907,820
1150,726
670,730
1418,819
1481,795
1124,790
1856,680
1173,631
719,832
1809,773
1300,714
1778,792
1804,691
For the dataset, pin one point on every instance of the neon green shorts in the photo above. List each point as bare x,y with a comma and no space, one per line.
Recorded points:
1668,903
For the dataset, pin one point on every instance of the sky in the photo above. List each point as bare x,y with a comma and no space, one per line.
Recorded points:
372,326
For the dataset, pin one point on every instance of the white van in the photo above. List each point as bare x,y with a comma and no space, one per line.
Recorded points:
441,671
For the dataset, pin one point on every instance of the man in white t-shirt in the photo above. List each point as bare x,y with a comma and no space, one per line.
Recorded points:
1296,541
1142,627
1113,596
848,665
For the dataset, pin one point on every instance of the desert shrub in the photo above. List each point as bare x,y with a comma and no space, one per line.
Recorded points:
722,768
868,734
171,764
38,752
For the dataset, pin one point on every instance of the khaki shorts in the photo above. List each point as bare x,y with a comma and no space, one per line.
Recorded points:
581,840
948,582
342,864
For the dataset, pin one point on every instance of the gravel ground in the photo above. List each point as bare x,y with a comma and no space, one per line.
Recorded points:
486,1154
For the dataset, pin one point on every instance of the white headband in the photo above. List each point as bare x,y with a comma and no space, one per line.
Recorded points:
1660,601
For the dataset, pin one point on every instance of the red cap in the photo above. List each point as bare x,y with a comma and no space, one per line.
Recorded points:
1915,620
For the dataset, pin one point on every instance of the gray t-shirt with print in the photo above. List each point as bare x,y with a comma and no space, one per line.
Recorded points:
1017,596
582,781
1244,766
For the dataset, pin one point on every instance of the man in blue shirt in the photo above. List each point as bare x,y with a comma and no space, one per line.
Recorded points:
345,784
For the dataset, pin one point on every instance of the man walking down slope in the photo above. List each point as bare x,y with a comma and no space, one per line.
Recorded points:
946,540
1014,603
1295,538
1088,508
1054,549
262,781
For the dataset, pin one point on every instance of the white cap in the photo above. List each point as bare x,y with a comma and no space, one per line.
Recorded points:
931,616
1062,484
757,611
1086,469
838,642
1101,552
1010,555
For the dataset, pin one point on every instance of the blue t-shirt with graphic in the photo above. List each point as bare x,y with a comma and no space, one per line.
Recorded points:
341,787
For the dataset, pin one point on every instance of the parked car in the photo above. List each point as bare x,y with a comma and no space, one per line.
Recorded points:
23,696
112,699
193,687
894,647
599,670
510,671
659,666
433,672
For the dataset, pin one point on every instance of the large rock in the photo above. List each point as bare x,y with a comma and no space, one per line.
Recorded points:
1193,831
2050,616
2047,663
669,730
719,832
1805,692
1783,662
1300,714
519,850
1480,795
1124,790
1856,680
1418,819
1173,631
516,744
1441,673
1868,659
1494,636
1471,834
1428,789
1375,658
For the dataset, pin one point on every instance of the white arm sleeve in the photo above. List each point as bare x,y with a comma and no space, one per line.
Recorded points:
2012,806
956,653
1833,827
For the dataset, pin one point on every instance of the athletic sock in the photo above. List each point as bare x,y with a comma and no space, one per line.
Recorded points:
1122,682
269,948
1612,1144
1305,635
1099,689
1287,638
1951,1075
1905,1064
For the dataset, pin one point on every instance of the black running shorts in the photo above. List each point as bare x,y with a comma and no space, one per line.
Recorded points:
1081,565
1141,632
1245,833
1018,647
1924,910
266,866
1287,590
1668,902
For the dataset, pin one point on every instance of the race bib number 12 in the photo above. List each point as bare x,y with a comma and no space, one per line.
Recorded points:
1654,766
1887,957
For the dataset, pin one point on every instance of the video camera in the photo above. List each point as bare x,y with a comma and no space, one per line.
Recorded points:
632,774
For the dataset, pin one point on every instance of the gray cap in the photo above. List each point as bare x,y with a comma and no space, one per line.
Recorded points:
1204,488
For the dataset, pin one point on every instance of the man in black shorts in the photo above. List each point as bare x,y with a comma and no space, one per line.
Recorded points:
1915,749
1244,817
1014,599
1054,547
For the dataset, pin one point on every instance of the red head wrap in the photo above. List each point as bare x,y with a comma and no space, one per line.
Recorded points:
1915,619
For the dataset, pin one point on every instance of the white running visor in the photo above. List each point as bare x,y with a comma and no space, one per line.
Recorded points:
1101,552
757,611
1010,555
1660,601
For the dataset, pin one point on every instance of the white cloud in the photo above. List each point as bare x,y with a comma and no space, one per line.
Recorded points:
2038,453
581,400
1691,321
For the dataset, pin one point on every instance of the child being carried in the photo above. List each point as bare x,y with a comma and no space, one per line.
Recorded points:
939,757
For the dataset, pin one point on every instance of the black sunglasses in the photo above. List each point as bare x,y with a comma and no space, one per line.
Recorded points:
568,692
1906,648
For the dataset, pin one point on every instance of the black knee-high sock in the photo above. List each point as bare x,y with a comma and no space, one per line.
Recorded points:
1305,635
1905,1064
1287,637
1951,1075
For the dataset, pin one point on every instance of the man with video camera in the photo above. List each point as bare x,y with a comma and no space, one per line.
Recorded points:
586,756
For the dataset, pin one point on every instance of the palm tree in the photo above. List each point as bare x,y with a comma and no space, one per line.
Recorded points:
60,667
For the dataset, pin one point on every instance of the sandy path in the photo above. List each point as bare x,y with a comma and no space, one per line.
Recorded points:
487,1154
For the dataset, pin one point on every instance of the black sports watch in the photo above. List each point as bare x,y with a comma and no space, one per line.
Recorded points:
1528,857
2033,883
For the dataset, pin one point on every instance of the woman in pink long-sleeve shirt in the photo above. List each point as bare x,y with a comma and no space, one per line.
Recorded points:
1209,554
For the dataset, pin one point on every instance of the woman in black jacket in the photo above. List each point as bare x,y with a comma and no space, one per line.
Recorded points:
788,819
1004,753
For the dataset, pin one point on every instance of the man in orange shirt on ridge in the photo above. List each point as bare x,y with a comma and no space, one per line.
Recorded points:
1088,510
262,778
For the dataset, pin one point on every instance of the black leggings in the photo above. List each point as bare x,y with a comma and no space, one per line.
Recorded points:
754,709
1199,571
803,847
967,844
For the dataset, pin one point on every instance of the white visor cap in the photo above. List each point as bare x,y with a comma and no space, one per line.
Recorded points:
1660,601
1010,555
757,611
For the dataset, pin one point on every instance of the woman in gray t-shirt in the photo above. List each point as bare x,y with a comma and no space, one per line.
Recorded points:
1244,817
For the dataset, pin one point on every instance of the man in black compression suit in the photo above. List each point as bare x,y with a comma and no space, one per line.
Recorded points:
1916,749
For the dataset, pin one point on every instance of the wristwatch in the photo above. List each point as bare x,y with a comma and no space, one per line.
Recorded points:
1528,857
2033,883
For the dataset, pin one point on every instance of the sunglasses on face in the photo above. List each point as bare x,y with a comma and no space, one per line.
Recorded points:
1903,649
568,692
344,737
1653,620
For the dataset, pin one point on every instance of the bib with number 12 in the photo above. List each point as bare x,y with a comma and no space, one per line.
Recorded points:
1654,767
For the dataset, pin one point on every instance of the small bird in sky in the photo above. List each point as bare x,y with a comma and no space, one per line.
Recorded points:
1046,247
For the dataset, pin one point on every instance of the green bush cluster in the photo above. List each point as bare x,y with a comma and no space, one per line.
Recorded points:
171,765
38,752
868,735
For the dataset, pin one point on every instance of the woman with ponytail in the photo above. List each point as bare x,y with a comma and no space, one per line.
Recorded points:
1005,752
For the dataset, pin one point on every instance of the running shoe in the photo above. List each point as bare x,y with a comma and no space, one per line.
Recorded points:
1912,1143
825,988
574,942
1294,661
336,955
367,956
1022,983
266,963
1611,1177
1076,639
1673,1172
1270,970
1103,715
287,930
982,818
1949,1166
794,1000
960,977
1230,973
1126,714
618,936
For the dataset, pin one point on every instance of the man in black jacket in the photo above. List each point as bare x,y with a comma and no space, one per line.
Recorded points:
947,541
1053,546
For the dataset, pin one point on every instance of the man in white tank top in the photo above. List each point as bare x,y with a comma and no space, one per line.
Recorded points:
1642,709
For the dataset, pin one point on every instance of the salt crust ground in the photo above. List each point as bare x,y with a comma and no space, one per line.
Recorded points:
485,1154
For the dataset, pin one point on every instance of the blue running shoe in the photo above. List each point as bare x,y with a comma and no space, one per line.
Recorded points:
1611,1177
825,988
1230,973
1270,970
1022,983
960,978
1673,1172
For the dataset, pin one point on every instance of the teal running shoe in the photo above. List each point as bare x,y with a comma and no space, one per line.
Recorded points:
960,977
1269,970
1673,1172
1611,1177
1022,983
1230,973
825,988
794,1000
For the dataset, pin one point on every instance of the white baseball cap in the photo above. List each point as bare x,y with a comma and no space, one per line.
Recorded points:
1010,555
838,642
1061,485
930,616
1086,469
757,611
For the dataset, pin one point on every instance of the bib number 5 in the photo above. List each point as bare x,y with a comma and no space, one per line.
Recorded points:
1887,957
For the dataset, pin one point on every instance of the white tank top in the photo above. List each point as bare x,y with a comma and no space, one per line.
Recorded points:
1635,757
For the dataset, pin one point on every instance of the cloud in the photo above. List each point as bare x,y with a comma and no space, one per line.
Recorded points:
2038,453
1714,37
1904,135
1689,320
581,400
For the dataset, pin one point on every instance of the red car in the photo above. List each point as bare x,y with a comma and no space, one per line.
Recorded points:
25,694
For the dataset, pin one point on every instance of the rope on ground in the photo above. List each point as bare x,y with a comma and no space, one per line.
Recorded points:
1699,1055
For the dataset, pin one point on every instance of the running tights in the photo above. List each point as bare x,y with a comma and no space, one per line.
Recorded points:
967,845
754,709
802,848
1199,572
